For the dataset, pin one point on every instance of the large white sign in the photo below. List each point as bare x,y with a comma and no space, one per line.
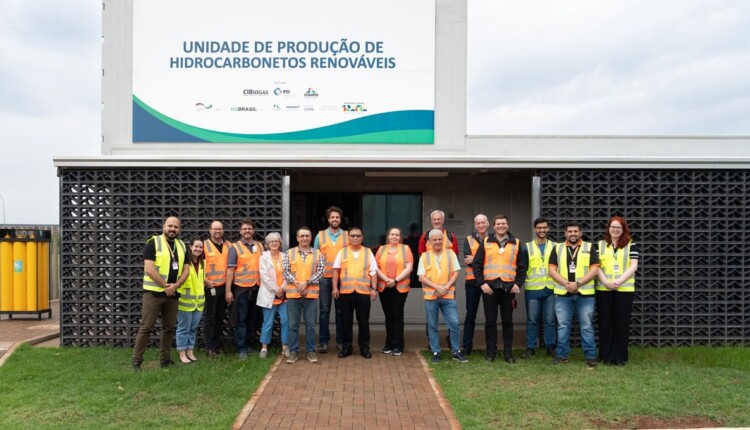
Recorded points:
284,71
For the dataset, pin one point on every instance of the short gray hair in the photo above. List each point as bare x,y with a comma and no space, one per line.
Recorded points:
273,235
435,232
437,211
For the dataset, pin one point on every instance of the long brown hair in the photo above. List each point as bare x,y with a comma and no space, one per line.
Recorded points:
625,238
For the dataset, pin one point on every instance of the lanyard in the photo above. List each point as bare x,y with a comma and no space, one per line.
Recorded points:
573,255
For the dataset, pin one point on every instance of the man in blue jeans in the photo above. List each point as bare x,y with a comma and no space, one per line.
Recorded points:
438,272
330,241
539,295
573,265
473,292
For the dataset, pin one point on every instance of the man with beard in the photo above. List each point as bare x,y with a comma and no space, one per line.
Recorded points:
165,269
573,265
540,299
243,275
217,253
500,270
330,241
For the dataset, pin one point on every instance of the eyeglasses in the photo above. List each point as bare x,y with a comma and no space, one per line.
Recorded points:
355,235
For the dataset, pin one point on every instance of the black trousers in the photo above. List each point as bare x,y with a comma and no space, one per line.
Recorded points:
214,314
614,311
350,304
504,300
393,303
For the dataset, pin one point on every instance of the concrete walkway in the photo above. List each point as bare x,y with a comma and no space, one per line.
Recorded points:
351,393
28,329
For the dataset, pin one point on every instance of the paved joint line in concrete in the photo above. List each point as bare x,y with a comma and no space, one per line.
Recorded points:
442,401
250,405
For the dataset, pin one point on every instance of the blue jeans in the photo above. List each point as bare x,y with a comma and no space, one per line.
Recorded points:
450,315
187,327
309,309
268,316
583,306
245,299
326,286
473,296
540,303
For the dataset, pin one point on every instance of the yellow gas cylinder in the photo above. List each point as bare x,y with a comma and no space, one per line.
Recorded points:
6,276
19,276
32,274
43,286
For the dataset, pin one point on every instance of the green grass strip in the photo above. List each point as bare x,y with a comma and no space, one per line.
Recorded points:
95,388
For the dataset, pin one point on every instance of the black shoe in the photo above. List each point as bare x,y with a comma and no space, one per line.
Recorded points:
509,358
528,353
167,363
345,353
436,357
560,360
136,365
490,357
365,353
550,351
591,362
323,349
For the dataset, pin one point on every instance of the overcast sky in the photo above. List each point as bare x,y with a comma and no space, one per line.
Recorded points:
618,67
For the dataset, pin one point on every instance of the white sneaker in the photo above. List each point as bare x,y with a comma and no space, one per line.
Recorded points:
285,350
263,353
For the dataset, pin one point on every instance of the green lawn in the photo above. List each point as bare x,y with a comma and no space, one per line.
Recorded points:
95,388
666,387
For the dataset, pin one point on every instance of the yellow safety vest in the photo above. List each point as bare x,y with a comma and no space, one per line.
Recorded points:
537,276
431,263
192,296
354,274
609,260
162,262
582,268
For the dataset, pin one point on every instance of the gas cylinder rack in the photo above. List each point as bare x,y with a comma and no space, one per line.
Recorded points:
24,272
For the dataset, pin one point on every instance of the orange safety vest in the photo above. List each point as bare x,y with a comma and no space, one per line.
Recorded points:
279,269
246,274
473,245
216,263
302,269
354,275
500,262
404,285
438,270
331,249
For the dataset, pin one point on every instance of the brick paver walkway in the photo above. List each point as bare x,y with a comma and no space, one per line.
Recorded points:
27,328
350,393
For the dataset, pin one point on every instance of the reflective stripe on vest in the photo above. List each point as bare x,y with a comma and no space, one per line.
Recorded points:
537,277
163,261
404,285
302,269
331,249
608,260
247,273
582,268
354,274
192,295
473,245
216,262
431,262
500,263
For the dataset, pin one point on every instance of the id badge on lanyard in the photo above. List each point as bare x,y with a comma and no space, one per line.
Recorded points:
175,266
572,268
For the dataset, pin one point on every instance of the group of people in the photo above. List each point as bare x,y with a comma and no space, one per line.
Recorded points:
181,282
